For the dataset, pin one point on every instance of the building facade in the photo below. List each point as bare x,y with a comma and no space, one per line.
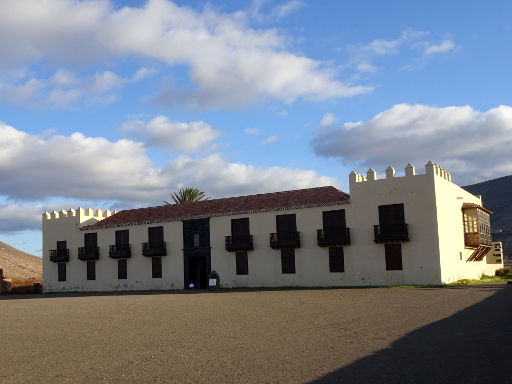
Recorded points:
413,229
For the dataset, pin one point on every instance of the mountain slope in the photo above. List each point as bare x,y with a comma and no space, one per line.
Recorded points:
19,265
497,196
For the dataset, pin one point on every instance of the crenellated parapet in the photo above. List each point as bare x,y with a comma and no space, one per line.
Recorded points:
431,169
79,216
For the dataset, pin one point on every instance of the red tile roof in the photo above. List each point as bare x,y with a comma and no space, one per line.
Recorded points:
301,198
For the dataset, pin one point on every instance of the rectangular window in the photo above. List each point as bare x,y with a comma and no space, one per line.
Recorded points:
91,270
61,271
61,245
391,214
156,234
122,237
240,227
156,263
122,269
393,253
334,219
336,259
288,260
286,223
242,263
196,240
91,240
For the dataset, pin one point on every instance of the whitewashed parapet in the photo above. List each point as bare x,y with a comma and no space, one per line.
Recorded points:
80,213
410,171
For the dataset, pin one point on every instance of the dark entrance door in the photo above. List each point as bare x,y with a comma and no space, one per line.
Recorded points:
196,252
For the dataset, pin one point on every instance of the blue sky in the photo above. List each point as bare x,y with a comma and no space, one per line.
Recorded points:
115,104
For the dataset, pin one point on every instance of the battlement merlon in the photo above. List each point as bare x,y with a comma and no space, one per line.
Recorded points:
78,216
410,171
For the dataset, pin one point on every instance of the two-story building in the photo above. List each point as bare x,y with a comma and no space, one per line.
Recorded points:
412,229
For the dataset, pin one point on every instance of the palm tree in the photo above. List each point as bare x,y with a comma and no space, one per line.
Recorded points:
187,195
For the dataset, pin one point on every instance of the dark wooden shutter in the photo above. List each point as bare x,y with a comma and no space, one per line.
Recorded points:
393,253
240,227
90,240
156,234
391,214
286,223
287,260
336,259
122,269
156,264
61,271
242,263
91,270
122,237
334,219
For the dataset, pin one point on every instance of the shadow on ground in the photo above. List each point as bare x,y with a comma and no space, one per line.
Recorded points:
472,346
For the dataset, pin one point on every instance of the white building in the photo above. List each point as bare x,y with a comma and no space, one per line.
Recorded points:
415,229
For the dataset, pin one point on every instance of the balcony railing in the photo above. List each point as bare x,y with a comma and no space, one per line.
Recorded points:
59,255
239,243
154,249
88,253
331,237
285,240
476,239
120,251
389,233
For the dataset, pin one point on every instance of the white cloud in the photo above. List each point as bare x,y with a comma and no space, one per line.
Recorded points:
387,47
64,88
196,136
33,168
276,12
251,131
473,145
411,46
229,63
445,46
269,140
366,67
328,120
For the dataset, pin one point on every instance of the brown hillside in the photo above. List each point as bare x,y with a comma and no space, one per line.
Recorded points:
19,265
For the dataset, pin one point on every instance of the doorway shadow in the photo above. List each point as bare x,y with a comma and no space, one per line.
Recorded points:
472,346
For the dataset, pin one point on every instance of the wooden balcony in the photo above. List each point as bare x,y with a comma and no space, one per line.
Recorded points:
239,243
477,239
333,237
88,253
120,251
59,255
285,240
151,249
390,233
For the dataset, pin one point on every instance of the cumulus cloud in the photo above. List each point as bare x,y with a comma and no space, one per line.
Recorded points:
196,136
230,64
64,88
444,46
33,168
269,140
473,145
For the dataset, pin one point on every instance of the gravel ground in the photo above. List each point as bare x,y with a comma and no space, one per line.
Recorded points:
379,335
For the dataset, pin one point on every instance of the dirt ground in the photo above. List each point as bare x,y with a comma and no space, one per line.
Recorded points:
380,335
